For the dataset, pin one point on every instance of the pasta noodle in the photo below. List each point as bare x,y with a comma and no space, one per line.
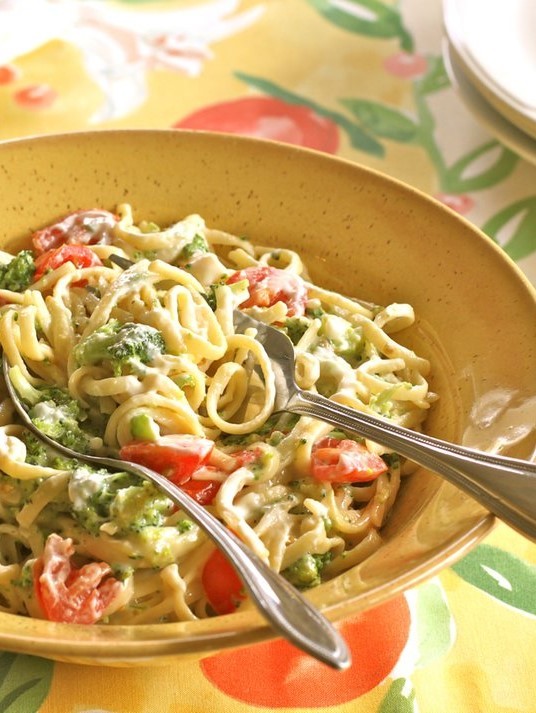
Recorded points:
144,363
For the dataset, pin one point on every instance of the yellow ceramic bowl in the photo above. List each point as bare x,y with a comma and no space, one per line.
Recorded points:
361,233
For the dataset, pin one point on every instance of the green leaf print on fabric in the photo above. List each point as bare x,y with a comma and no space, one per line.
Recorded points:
485,166
436,77
521,218
382,120
396,700
501,575
503,161
366,17
24,682
358,137
433,621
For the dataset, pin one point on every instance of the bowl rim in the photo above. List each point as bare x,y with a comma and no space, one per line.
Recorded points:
272,144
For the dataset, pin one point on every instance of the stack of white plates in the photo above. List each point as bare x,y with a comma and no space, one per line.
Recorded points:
490,54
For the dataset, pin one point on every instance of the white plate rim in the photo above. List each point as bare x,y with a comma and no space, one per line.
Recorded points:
515,111
508,134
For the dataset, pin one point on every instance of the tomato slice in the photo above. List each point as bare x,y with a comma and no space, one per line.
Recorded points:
79,255
83,227
203,491
175,456
222,585
67,594
344,461
268,285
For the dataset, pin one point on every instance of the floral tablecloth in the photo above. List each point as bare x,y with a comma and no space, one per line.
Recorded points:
363,79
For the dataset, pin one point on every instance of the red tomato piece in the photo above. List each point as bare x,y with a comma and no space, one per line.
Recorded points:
79,255
245,457
268,285
344,461
203,491
67,594
222,585
267,118
84,227
175,456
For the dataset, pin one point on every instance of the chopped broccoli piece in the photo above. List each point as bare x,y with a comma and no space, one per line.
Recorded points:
197,245
184,525
18,273
305,572
315,312
210,294
123,499
346,340
351,347
183,380
296,328
26,578
144,428
33,396
126,346
145,255
122,572
138,507
54,412
59,421
38,453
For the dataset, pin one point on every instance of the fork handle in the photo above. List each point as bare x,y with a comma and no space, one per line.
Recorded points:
504,486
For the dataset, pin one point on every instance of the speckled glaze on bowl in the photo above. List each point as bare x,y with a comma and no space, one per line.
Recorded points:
361,233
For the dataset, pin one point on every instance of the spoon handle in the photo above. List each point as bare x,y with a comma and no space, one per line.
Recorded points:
504,486
289,613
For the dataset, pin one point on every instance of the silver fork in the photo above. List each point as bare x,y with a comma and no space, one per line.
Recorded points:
504,486
289,613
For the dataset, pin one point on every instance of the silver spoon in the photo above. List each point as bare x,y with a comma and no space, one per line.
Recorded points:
289,613
504,486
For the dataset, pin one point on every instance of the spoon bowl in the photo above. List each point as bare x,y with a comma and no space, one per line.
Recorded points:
505,486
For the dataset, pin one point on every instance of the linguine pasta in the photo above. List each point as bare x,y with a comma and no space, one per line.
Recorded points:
196,403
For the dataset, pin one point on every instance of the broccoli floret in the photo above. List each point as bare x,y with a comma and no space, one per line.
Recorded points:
197,245
60,422
127,347
122,499
54,412
32,395
18,273
305,572
38,453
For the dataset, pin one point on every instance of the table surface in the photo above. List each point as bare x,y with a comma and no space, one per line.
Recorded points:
363,79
